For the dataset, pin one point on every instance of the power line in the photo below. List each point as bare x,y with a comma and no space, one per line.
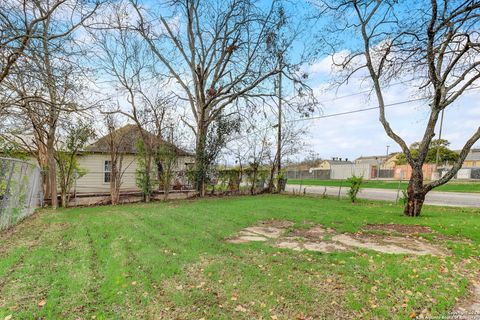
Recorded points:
356,111
366,109
349,112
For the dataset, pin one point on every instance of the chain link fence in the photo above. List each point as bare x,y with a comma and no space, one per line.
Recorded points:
20,191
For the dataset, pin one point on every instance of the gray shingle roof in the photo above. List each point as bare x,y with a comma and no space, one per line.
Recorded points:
129,136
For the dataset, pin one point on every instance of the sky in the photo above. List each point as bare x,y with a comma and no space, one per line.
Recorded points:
361,134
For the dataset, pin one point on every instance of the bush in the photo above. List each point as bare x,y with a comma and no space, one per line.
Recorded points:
355,183
281,181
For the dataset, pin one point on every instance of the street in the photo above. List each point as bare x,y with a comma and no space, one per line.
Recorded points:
436,198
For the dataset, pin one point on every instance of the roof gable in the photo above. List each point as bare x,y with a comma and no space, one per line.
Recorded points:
128,137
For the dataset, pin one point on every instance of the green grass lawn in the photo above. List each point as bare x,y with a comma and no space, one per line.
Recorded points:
170,261
382,184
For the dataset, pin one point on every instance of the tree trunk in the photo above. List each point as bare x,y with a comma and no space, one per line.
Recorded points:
200,161
148,176
42,158
254,182
64,200
271,181
415,193
114,188
52,174
166,191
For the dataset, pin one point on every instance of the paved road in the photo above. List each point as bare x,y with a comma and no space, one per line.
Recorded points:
437,198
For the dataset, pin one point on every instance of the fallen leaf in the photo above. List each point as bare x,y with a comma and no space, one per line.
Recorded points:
301,316
240,308
41,303
9,317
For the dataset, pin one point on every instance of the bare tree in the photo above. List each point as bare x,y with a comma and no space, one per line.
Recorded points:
116,148
216,52
50,81
76,136
252,152
20,21
436,42
127,63
258,146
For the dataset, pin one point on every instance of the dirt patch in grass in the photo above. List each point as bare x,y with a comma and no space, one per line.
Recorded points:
390,244
398,228
314,233
320,246
318,238
271,229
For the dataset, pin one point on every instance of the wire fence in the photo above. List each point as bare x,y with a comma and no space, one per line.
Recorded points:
20,191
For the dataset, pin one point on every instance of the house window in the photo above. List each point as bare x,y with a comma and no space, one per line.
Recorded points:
107,171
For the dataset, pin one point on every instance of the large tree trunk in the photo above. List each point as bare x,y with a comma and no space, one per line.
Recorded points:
200,161
415,193
52,173
271,185
42,159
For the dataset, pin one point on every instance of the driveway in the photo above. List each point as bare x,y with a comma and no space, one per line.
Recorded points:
436,198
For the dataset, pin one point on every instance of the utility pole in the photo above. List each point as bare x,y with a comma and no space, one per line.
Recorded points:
439,138
279,125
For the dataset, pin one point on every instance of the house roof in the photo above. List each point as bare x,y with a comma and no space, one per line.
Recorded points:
376,158
371,157
338,161
129,135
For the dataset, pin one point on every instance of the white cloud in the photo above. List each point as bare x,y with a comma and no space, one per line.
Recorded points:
361,133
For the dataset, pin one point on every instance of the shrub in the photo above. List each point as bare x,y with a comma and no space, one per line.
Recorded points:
355,183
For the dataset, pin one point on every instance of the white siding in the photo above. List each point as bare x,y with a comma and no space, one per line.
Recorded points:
345,171
93,180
